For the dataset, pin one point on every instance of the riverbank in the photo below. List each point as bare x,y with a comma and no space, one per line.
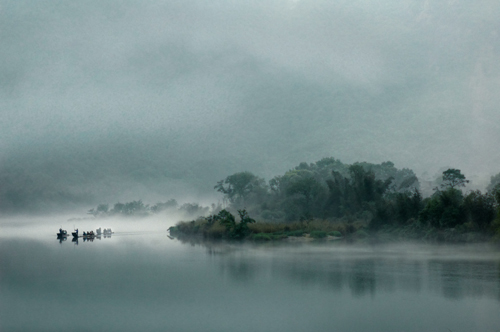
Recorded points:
323,230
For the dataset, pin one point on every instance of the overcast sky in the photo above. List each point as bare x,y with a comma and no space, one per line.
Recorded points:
176,90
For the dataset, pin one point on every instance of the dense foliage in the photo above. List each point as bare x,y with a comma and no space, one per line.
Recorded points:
380,195
327,189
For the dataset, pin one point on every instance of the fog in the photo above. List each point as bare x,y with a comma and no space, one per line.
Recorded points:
147,282
121,100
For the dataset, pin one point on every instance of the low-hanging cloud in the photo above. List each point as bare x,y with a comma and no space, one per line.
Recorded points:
190,91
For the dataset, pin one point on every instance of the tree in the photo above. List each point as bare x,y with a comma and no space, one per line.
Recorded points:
234,229
365,185
170,204
494,183
194,209
480,208
444,209
240,186
102,209
305,191
408,205
453,178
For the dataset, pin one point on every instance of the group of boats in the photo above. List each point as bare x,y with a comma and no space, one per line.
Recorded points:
89,235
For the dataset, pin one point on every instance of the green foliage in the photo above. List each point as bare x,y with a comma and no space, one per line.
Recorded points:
444,209
241,187
303,194
402,180
332,198
226,219
407,206
233,229
360,192
453,178
223,224
262,237
297,233
384,215
496,222
322,190
241,229
318,234
335,233
480,209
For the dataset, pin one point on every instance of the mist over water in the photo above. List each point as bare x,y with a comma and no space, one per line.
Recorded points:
119,101
141,279
106,102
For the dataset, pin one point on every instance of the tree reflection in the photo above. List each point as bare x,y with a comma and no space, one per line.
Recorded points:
453,278
465,278
362,279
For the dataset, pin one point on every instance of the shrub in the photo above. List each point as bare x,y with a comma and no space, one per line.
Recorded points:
318,234
261,237
297,233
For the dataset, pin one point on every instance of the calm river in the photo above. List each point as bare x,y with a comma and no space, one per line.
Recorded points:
141,280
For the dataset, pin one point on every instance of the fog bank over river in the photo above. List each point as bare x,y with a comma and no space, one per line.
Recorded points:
108,101
142,279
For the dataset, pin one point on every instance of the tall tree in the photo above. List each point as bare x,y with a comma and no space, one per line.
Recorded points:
240,186
453,178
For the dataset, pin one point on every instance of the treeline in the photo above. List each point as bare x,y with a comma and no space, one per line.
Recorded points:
330,196
327,189
139,209
378,194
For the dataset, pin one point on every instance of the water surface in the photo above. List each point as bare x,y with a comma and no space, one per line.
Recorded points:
145,281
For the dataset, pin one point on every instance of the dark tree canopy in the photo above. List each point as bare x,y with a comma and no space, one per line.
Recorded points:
240,186
453,178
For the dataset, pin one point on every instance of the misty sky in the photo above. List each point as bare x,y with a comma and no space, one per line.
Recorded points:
162,93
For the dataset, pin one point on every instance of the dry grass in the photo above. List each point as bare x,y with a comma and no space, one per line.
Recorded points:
271,231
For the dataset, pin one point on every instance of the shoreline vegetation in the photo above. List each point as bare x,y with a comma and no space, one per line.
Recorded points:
324,230
331,200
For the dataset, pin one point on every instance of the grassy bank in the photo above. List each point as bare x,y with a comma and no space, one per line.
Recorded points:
266,231
225,226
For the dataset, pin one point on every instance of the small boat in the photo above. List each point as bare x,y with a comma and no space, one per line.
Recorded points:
62,233
88,234
75,233
107,231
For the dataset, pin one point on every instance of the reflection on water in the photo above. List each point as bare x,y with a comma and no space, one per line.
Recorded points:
61,238
150,282
75,239
335,271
